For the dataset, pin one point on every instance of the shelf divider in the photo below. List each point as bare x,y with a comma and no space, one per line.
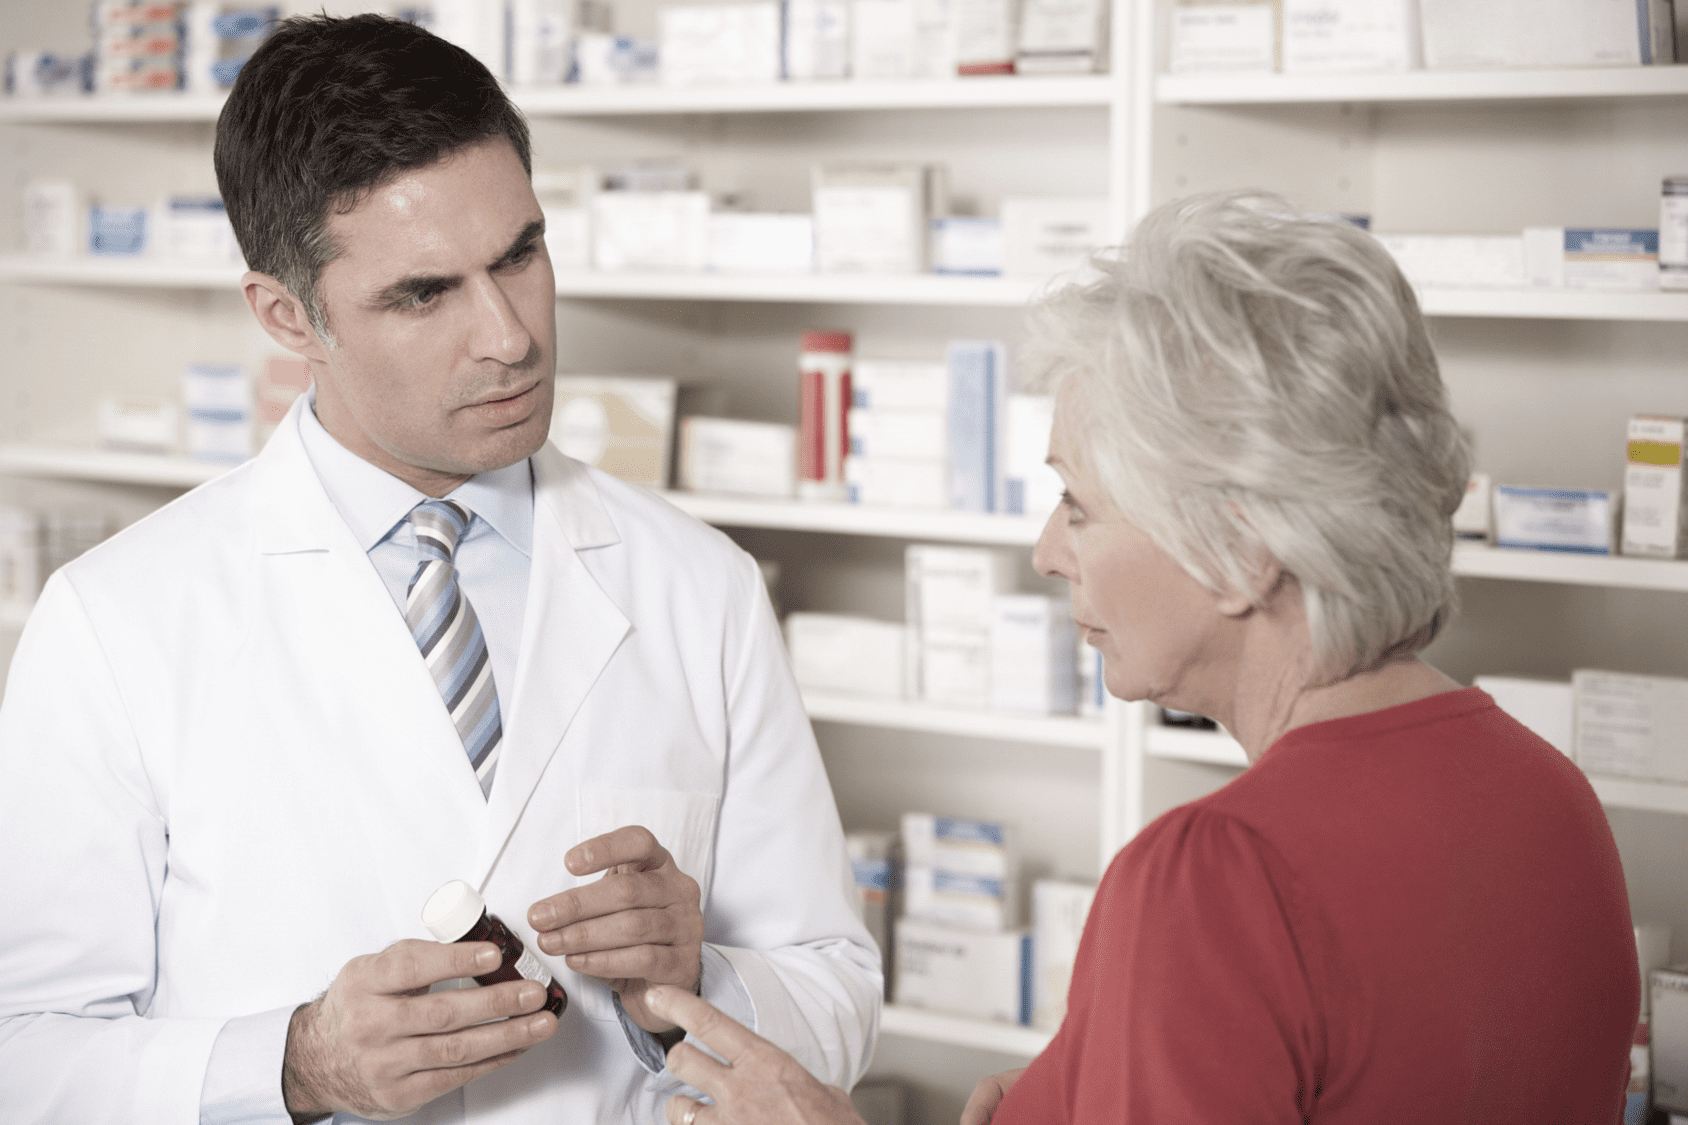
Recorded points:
1047,730
960,1031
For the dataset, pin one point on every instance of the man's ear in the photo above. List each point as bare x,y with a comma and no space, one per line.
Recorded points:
282,315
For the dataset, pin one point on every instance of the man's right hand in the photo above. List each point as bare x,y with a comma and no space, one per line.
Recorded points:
380,1045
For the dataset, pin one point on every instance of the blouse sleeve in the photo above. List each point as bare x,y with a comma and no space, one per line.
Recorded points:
1191,997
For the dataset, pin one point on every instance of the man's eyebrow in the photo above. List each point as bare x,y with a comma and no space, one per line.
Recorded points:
434,283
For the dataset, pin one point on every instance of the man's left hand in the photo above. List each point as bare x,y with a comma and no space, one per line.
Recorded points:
639,925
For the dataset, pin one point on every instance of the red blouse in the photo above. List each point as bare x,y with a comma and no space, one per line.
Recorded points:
1413,915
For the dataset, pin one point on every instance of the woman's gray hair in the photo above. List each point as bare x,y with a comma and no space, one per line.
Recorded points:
1252,382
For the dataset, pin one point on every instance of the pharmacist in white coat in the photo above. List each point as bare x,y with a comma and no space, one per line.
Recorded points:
229,778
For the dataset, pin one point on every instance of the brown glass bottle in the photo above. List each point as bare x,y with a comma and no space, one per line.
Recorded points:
456,913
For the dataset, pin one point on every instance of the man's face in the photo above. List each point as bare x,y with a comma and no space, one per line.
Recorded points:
443,309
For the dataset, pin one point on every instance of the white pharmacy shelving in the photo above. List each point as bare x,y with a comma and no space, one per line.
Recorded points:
1001,726
984,1035
1560,84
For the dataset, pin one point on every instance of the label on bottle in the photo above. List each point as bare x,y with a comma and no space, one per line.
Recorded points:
528,965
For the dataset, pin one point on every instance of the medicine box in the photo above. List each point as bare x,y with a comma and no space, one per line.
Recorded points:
950,590
1042,237
1062,37
1554,519
817,39
1459,261
1544,706
621,424
1652,951
1032,669
650,230
117,231
983,975
968,247
1059,910
746,242
1632,726
987,34
1471,518
217,398
892,39
1329,36
540,41
961,844
885,384
711,44
1461,35
955,671
1212,38
967,902
52,216
602,59
1606,258
1669,1030
139,425
734,456
1030,487
896,482
874,866
910,434
21,571
978,382
851,655
1655,517
196,227
872,218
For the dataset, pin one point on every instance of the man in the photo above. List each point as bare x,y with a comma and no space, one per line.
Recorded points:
244,741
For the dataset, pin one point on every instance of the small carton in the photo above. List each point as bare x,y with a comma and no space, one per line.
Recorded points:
1655,501
1554,519
986,975
1669,1031
1632,726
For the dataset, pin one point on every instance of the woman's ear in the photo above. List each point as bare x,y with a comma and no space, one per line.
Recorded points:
1266,576
282,315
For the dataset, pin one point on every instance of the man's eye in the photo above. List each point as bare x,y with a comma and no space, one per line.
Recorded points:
521,257
421,299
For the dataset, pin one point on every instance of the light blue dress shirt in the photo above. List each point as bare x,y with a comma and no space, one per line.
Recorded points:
493,562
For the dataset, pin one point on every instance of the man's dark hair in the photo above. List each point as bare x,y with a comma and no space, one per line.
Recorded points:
328,110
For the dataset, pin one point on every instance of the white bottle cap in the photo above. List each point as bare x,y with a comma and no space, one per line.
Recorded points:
452,910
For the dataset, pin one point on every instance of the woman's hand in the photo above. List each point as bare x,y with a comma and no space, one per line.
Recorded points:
987,1095
759,1084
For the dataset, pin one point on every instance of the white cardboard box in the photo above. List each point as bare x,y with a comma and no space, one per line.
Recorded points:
1554,519
1059,910
967,902
968,247
1459,261
650,230
1462,35
715,44
1062,37
1032,668
896,482
985,975
873,218
1544,706
921,435
952,590
1330,36
1030,487
894,384
746,242
963,844
1215,38
733,456
1042,237
1471,518
817,39
851,655
987,34
1655,499
1669,1029
1632,726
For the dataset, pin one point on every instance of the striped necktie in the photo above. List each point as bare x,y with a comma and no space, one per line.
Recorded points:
449,635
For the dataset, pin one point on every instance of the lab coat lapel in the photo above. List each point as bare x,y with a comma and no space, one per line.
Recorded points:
348,621
571,630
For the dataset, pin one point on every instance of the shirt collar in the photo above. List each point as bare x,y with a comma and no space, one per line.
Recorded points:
372,501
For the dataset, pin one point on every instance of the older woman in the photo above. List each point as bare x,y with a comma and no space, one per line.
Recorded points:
1409,908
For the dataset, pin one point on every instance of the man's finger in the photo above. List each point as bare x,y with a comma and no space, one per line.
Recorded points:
412,964
679,1105
699,1071
440,1012
633,845
612,894
711,1027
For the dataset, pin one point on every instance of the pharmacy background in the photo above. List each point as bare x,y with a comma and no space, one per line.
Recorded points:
794,242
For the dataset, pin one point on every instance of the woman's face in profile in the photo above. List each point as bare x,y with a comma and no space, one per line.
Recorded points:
1154,624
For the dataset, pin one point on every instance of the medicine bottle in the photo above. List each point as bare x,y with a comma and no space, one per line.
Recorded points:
456,912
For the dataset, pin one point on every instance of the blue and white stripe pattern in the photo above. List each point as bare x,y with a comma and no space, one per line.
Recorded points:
449,635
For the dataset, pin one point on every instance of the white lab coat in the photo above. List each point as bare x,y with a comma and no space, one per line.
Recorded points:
225,771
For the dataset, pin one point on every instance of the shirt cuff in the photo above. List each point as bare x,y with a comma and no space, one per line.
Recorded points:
718,983
243,1078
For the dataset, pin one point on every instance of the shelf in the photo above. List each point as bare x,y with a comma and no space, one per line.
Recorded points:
102,465
1424,86
1554,304
797,97
959,1031
139,272
1047,730
1656,796
853,519
605,101
818,288
1190,745
1475,561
